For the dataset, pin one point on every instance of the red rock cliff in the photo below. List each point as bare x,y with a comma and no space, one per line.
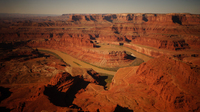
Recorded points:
161,84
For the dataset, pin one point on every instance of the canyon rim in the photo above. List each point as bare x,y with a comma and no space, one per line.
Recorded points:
134,62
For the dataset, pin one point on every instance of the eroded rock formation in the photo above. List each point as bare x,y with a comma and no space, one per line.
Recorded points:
172,32
161,84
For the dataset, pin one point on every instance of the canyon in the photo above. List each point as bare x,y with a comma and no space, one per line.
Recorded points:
118,62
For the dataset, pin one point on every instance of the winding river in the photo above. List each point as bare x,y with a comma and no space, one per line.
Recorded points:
78,63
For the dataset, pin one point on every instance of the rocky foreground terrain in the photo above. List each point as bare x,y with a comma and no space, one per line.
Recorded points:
32,80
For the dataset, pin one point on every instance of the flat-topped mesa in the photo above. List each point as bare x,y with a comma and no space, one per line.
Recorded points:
88,17
172,18
105,58
163,44
101,58
76,17
117,52
66,40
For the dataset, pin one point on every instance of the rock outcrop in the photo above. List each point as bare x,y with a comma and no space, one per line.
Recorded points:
161,84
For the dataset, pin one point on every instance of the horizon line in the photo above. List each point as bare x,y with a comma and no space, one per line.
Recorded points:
99,13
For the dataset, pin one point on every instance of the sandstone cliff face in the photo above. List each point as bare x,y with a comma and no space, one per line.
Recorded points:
161,84
163,44
146,51
182,19
64,40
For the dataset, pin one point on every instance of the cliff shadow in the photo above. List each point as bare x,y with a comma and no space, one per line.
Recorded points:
91,18
144,18
86,18
4,109
96,46
56,97
91,37
130,57
176,19
108,18
12,45
65,99
122,109
5,93
127,40
24,57
99,79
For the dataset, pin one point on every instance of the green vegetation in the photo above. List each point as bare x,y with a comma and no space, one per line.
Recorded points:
49,52
129,53
138,52
109,69
76,63
108,80
54,54
136,62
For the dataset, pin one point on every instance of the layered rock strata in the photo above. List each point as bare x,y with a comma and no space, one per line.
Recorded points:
161,84
164,33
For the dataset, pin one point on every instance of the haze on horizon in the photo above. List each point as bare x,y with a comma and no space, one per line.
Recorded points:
99,6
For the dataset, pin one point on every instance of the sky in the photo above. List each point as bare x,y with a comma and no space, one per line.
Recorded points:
99,6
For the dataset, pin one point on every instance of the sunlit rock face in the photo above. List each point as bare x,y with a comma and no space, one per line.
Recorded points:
161,84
